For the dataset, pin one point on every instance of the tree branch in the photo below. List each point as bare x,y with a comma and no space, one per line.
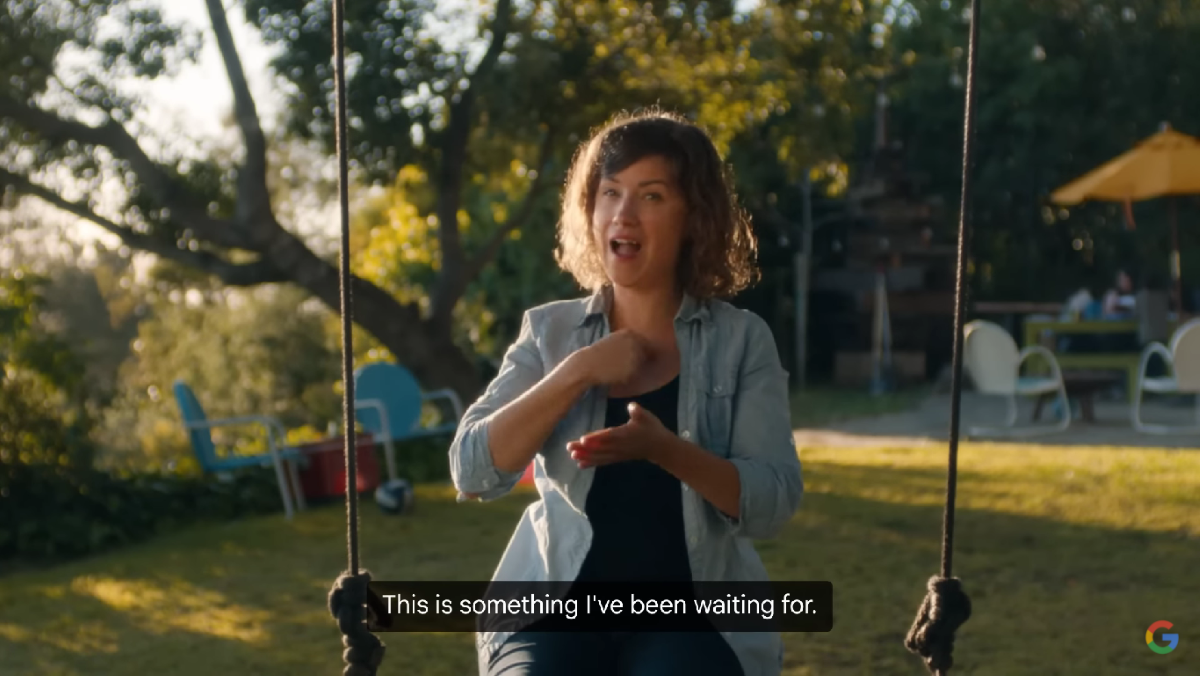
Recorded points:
253,203
450,176
233,274
157,182
492,248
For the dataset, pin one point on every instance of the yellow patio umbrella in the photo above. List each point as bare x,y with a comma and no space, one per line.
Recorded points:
1166,164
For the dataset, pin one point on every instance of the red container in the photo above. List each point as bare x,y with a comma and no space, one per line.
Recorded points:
324,473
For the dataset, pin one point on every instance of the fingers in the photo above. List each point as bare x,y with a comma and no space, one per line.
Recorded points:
638,414
593,446
603,436
598,448
586,459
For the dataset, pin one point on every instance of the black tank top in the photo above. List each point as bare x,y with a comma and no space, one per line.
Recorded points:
636,507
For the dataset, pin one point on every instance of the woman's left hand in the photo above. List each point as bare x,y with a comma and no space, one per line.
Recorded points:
639,439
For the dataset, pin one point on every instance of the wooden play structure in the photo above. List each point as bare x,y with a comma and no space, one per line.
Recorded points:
889,236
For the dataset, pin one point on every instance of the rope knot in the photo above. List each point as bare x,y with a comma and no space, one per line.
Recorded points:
945,608
357,608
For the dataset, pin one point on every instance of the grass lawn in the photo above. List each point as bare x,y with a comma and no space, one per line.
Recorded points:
825,405
1068,555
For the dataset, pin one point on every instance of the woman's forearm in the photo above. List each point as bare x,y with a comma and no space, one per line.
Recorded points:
518,430
716,479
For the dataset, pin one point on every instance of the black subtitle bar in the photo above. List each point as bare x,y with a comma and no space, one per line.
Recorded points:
604,606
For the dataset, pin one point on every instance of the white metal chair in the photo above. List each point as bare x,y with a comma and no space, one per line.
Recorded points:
1183,364
991,358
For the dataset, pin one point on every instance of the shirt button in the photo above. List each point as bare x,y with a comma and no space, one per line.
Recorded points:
686,434
717,389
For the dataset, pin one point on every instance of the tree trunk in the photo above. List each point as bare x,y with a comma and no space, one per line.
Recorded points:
416,344
435,361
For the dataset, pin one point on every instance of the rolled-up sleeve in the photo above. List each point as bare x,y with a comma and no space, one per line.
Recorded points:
763,447
471,466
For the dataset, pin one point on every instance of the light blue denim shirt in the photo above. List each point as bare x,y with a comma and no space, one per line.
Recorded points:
733,402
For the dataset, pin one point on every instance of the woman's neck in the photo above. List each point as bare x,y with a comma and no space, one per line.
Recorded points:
650,313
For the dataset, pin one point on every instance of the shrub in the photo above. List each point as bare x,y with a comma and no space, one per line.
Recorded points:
58,512
423,460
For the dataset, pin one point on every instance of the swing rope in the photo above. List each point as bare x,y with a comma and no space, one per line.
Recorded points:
351,596
946,606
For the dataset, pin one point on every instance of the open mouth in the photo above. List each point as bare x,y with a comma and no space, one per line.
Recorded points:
624,248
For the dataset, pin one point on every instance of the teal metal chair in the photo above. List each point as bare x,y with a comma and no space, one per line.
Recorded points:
388,403
283,458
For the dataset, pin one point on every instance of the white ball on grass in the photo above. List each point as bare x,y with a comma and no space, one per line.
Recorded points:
394,496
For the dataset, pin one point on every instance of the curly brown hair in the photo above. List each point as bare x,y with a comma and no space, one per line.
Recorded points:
717,259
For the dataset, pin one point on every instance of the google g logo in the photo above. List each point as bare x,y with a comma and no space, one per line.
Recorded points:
1171,639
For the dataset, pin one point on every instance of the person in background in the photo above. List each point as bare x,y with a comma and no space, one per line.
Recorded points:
1077,306
1120,305
1120,301
1080,306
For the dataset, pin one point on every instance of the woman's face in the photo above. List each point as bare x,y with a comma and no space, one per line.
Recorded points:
638,224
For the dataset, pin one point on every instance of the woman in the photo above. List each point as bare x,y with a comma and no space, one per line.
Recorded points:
656,415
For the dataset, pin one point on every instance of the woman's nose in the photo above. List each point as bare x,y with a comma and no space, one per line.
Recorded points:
627,209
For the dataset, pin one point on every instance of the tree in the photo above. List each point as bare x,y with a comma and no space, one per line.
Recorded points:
398,251
502,119
43,417
84,301
1063,87
267,350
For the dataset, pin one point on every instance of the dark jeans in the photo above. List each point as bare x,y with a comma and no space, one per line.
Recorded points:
533,653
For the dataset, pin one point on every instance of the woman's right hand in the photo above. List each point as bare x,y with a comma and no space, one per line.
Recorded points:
613,359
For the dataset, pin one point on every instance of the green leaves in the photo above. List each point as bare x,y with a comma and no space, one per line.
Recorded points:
266,351
144,44
1063,87
573,64
57,513
396,72
25,344
43,393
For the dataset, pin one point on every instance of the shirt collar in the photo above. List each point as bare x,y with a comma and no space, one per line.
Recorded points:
599,303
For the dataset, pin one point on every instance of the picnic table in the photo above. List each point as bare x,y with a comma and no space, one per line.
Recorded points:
1126,362
1081,386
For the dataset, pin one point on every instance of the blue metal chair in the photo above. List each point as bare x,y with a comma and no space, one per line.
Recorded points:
388,403
199,429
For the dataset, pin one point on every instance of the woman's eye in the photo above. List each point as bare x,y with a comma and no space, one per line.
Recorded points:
653,196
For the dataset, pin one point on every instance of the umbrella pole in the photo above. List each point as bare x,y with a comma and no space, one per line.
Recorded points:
1176,276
